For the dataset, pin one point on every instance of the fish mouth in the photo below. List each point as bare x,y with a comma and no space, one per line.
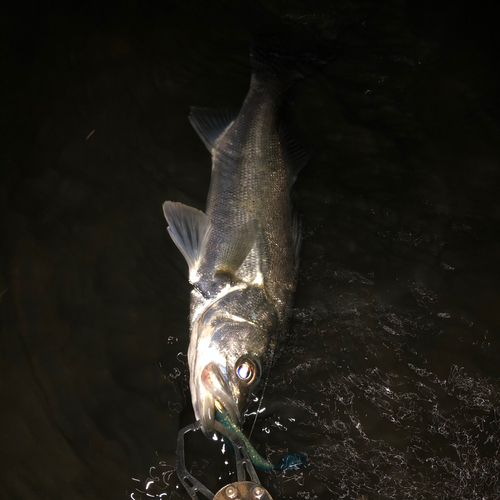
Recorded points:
218,391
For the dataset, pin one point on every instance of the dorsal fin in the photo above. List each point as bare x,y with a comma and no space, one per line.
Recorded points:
188,228
298,154
210,124
296,235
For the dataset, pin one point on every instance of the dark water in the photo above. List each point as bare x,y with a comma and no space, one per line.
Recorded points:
390,382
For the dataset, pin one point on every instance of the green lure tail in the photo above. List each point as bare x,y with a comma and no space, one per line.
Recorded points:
292,461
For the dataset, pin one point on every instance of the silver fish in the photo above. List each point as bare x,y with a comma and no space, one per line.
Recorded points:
242,252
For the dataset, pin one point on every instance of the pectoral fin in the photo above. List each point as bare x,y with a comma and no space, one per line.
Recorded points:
234,249
188,227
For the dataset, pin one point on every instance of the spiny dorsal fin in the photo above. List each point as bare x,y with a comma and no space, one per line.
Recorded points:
210,124
188,228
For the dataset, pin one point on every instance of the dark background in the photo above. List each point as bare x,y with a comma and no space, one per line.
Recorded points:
390,381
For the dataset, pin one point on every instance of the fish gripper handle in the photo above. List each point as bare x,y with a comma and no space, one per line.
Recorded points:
242,489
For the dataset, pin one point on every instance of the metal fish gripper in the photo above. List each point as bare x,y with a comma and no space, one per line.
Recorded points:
247,487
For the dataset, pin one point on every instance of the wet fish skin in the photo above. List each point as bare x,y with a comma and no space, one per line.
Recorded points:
242,253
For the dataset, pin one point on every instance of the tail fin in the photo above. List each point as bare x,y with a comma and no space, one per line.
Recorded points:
281,49
271,58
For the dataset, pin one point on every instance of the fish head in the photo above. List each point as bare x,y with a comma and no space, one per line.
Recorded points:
227,362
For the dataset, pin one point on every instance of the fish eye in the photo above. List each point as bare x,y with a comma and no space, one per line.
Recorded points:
246,370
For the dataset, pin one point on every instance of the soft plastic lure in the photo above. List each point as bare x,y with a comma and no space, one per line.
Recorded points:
291,461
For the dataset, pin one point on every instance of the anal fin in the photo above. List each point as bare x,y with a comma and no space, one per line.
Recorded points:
211,124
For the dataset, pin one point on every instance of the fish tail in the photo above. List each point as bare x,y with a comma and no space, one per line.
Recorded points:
273,59
282,49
